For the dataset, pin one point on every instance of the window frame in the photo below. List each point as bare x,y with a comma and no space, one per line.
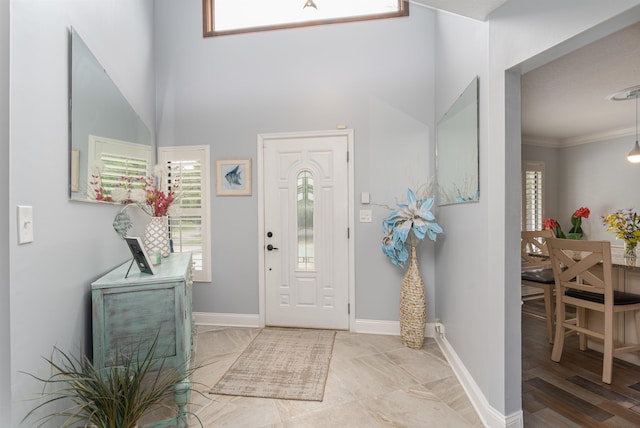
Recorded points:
208,30
181,153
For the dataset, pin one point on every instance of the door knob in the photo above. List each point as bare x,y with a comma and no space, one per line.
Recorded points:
271,247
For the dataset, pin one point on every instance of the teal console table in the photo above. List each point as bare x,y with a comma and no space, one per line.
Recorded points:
129,313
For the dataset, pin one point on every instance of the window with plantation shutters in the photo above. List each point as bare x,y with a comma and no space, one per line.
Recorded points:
114,163
117,168
188,175
532,195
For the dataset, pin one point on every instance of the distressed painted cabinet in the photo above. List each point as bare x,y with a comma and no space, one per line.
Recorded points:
129,313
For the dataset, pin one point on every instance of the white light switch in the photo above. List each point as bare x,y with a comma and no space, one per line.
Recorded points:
25,224
366,216
364,198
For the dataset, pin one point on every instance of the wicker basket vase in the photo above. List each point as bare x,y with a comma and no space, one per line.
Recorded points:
412,305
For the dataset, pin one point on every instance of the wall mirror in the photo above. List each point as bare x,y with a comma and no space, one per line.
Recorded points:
457,150
108,140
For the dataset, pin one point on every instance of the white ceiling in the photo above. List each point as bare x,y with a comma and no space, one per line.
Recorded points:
565,101
476,9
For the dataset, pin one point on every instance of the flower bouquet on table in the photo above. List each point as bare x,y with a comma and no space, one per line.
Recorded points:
576,222
147,193
575,232
626,225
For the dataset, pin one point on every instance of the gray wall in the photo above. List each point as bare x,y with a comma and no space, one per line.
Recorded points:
74,242
481,310
376,77
5,351
462,294
599,176
596,175
523,35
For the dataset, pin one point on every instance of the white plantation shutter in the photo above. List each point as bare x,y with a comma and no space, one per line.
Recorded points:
188,175
117,162
116,169
532,195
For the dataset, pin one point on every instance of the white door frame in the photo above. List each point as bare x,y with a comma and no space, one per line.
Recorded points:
261,241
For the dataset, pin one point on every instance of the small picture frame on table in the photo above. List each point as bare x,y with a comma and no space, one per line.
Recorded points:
140,256
233,177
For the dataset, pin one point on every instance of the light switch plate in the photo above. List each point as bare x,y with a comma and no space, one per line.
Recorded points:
364,198
25,224
366,216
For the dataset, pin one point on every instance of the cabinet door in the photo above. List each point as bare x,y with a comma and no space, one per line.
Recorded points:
134,317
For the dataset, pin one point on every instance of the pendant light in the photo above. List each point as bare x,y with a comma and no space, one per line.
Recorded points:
632,93
310,3
634,154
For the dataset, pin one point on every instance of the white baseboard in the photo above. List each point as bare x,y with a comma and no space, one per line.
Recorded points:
386,327
490,416
250,320
227,320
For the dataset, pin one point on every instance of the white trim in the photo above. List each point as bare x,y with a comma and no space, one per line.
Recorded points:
577,141
180,153
391,328
226,320
489,416
351,196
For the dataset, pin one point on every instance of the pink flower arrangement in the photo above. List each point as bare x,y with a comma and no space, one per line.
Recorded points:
142,191
157,200
100,193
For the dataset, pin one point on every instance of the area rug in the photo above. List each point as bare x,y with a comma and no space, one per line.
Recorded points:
283,363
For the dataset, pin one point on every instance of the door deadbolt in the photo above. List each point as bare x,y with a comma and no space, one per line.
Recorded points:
269,234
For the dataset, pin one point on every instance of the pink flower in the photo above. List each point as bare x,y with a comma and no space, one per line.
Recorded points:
582,212
157,200
549,223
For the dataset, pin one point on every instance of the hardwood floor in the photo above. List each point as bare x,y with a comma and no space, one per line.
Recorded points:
571,393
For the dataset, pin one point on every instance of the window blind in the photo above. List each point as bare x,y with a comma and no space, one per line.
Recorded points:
532,196
117,169
188,177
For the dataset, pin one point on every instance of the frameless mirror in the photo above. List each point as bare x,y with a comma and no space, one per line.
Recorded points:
108,140
457,150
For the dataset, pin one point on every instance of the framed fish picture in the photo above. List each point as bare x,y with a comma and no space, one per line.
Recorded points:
233,177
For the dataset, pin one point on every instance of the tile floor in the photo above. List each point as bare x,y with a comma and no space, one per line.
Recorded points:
374,381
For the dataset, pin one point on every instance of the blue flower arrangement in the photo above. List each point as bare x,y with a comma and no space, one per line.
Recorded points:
414,216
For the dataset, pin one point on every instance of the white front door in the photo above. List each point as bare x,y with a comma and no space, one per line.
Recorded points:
306,222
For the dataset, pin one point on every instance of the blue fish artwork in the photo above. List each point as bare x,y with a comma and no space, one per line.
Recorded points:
233,176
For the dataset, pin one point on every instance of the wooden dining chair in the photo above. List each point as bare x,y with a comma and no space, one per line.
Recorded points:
537,272
583,279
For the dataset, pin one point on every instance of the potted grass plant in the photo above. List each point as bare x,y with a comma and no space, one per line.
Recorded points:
118,396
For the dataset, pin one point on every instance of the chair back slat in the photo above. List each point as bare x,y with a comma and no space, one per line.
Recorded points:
582,265
533,248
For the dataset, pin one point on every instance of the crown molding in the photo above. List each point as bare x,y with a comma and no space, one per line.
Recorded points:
577,141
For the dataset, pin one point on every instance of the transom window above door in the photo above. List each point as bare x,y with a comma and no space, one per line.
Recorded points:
222,17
